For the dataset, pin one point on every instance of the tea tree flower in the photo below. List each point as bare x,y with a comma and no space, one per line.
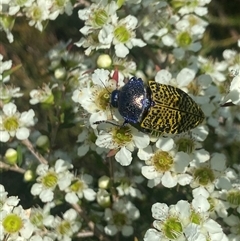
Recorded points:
86,140
95,99
102,28
8,92
43,95
126,186
41,217
16,5
51,177
206,174
37,13
124,35
7,204
97,15
14,123
79,188
197,7
67,226
15,224
215,70
123,140
60,7
168,226
165,165
120,218
234,91
182,220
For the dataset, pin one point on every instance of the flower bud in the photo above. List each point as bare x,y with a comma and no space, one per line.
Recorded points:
43,142
103,182
11,156
103,198
104,61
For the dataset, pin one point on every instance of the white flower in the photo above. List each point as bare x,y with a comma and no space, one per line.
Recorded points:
215,70
126,185
101,23
79,189
197,8
170,221
7,203
123,139
60,7
13,123
38,12
234,91
95,99
15,224
8,92
51,177
67,226
182,220
124,211
183,79
124,35
6,23
207,174
43,95
85,138
41,217
16,5
96,17
165,165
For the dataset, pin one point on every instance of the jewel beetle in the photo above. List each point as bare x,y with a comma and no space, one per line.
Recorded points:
155,108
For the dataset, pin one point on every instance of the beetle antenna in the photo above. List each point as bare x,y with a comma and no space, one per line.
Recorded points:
108,122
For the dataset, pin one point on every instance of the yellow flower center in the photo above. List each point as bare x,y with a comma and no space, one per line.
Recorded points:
185,145
50,180
119,219
162,161
184,39
233,197
100,17
204,176
122,34
122,135
77,186
12,223
195,218
103,99
64,227
11,123
172,228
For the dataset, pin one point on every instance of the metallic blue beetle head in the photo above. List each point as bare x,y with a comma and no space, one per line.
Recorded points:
131,100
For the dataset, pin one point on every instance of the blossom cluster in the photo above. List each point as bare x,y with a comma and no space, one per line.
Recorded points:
19,224
108,171
36,11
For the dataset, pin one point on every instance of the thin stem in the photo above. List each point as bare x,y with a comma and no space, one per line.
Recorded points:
30,147
11,168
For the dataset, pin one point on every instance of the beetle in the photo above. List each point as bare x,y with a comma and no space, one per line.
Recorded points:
155,108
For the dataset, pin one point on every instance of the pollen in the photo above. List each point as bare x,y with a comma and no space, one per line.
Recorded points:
162,161
11,123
